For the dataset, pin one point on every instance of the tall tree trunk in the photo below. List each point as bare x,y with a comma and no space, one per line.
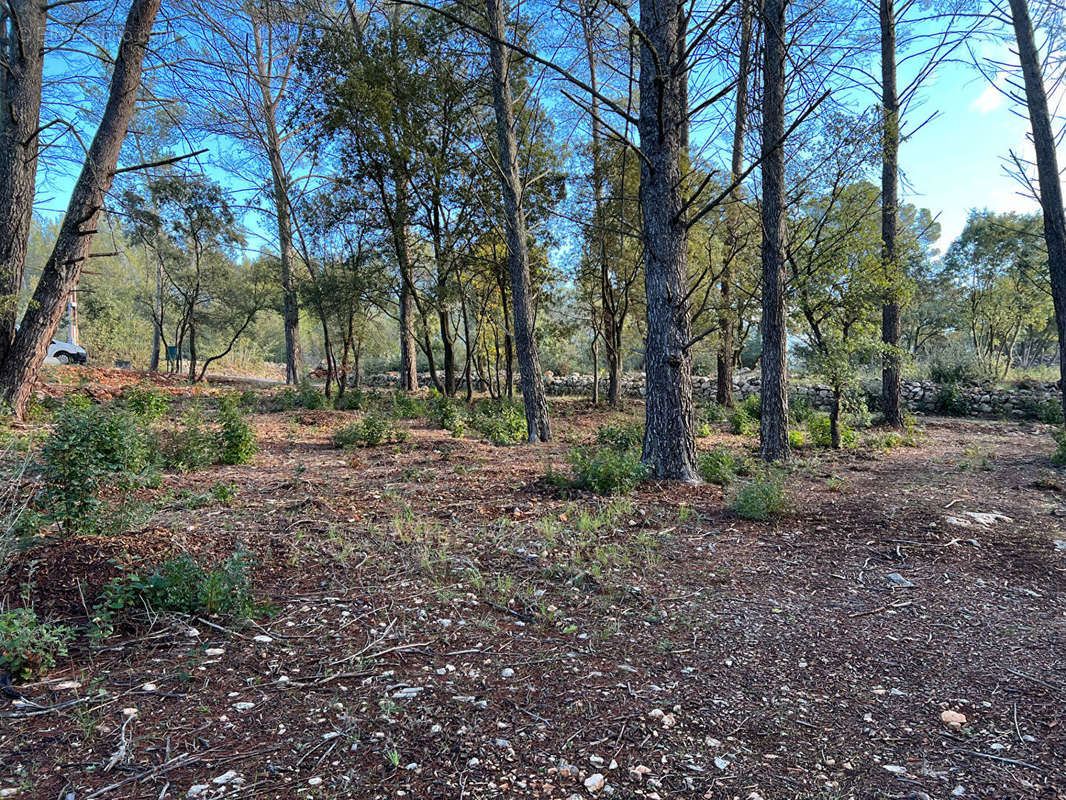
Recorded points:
536,403
157,318
1048,171
669,438
449,351
724,388
773,426
595,372
290,303
22,26
19,370
891,325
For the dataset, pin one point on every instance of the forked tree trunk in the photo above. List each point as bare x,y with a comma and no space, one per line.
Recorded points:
19,370
669,439
726,321
891,325
1048,171
22,25
773,425
533,397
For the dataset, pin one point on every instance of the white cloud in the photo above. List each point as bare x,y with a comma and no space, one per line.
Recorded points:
991,98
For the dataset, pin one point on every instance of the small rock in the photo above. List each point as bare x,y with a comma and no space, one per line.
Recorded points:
192,633
197,789
214,651
473,762
59,687
129,712
595,782
958,791
8,792
224,778
721,763
507,673
895,770
149,687
316,781
953,719
245,706
262,638
899,580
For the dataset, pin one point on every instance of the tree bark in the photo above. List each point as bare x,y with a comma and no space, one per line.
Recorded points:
724,387
19,370
536,404
401,242
1047,171
669,437
773,425
22,26
891,325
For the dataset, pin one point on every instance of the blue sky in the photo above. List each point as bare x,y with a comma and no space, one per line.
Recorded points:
957,161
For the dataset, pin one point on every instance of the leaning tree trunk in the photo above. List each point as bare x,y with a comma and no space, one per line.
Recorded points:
891,326
726,321
290,303
773,426
19,370
1048,171
669,439
533,397
22,25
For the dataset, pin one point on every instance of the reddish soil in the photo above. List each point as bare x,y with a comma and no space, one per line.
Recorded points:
447,625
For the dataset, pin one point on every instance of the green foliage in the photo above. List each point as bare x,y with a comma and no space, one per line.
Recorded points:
951,401
446,412
405,405
622,435
800,409
503,422
1050,411
90,451
191,445
236,438
29,647
180,585
311,397
742,423
761,498
819,426
797,440
723,466
712,413
1059,457
372,430
352,400
607,470
953,365
147,403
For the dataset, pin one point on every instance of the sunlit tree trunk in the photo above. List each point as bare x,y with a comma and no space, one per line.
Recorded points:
891,326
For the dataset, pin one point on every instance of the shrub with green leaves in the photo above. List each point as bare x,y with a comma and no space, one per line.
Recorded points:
1059,458
406,405
742,423
147,403
820,428
712,413
621,435
29,647
503,422
797,440
444,411
372,430
800,409
951,401
723,466
1049,411
352,400
236,437
761,498
90,451
607,470
180,585
191,445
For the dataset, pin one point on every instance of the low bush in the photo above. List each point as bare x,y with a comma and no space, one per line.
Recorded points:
761,498
742,423
405,405
954,365
446,412
236,438
820,428
621,436
712,413
723,466
607,470
191,444
180,585
797,440
1050,411
1059,458
372,430
147,403
352,400
951,401
28,647
502,422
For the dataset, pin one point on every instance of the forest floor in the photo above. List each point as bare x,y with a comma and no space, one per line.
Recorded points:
447,624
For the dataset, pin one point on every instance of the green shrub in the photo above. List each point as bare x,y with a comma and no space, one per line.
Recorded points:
761,498
180,585
1059,458
28,647
712,413
723,466
1050,411
742,423
311,397
955,365
236,438
190,446
819,426
407,406
800,409
503,422
371,431
797,440
621,436
951,401
607,470
446,412
352,400
91,450
703,430
147,403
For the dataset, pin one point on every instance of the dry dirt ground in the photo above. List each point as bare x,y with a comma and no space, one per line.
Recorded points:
446,624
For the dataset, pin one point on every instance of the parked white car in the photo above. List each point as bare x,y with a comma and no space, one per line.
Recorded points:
67,353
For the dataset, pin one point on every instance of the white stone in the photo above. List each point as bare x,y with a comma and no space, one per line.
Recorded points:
595,782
